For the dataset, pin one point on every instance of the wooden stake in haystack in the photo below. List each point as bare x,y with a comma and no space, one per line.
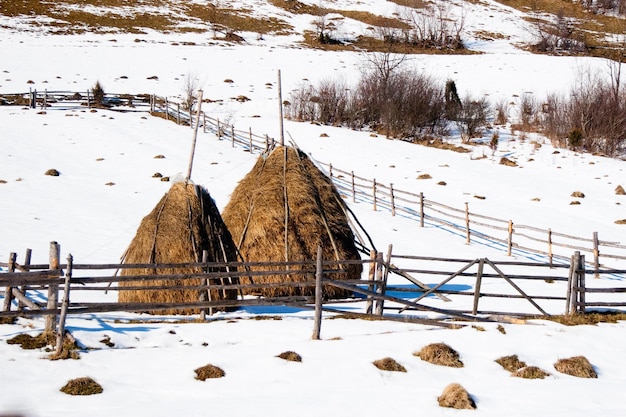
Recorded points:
183,224
281,211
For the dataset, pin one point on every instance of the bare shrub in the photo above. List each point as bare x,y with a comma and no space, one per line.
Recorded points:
455,396
389,364
578,366
440,354
511,363
472,117
98,94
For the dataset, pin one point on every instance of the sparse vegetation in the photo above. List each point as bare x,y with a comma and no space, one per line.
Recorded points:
511,363
82,386
389,364
530,372
290,356
440,354
578,366
209,371
455,396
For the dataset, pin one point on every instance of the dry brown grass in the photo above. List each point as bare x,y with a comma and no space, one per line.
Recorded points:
208,372
455,396
82,386
440,354
511,363
290,356
619,190
530,372
389,364
315,212
578,366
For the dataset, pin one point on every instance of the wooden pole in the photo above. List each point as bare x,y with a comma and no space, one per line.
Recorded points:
26,266
596,255
64,305
330,171
250,138
393,200
167,109
205,294
384,275
467,224
569,303
510,239
479,279
195,137
371,275
550,255
421,209
581,284
374,193
8,293
353,187
280,110
177,113
53,289
219,130
317,326
232,135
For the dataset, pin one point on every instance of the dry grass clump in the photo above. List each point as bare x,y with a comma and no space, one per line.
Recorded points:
578,194
28,342
52,172
389,364
621,221
589,318
455,396
578,366
530,372
619,190
209,371
507,162
440,354
511,363
82,386
290,356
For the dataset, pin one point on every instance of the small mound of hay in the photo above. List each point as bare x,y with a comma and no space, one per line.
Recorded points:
507,162
440,354
183,224
619,190
578,366
29,342
511,363
290,356
209,371
578,194
389,364
530,372
52,172
82,386
285,190
455,396
621,221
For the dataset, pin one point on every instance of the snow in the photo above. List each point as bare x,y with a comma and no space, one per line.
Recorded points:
149,370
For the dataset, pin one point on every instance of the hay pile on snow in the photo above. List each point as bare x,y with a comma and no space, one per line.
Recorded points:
285,190
181,226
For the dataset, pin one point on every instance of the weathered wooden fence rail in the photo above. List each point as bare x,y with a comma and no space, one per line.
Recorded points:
65,100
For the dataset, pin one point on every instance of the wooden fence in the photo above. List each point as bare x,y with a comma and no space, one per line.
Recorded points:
34,290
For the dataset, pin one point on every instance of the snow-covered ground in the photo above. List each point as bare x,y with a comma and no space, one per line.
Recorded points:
149,370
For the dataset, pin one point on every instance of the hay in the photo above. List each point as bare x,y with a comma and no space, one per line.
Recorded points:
255,216
208,372
82,386
455,396
183,224
511,363
578,366
440,354
530,372
389,364
290,356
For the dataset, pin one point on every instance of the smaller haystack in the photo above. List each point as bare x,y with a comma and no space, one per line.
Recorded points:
183,224
281,211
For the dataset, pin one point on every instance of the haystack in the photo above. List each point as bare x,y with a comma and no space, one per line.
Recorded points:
181,226
285,190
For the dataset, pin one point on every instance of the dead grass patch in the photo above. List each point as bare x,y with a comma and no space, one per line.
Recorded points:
455,396
29,342
209,371
530,372
440,354
621,221
589,318
82,386
507,162
389,364
619,190
577,366
511,363
290,356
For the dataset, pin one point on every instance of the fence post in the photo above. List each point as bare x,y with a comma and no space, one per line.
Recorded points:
383,266
64,305
479,280
550,256
177,113
353,187
596,255
203,122
26,266
374,193
167,109
371,275
393,200
53,289
330,171
8,293
250,137
467,224
510,239
205,294
219,130
421,209
582,288
317,326
232,135
570,297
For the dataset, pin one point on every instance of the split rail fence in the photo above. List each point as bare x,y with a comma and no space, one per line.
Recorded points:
438,288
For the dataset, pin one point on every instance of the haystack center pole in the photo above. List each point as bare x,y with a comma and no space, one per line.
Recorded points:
195,136
280,110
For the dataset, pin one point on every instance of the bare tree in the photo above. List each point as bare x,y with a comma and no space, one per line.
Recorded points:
190,87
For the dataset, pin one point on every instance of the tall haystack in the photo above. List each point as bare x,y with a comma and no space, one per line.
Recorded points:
182,225
286,191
